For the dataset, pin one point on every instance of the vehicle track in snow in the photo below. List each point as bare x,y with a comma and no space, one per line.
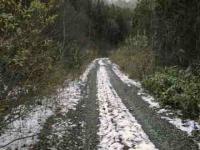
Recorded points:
161,132
103,110
118,128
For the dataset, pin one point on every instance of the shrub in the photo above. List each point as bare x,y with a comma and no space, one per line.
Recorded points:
177,89
27,54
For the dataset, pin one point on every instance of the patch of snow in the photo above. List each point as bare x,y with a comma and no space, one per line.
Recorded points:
148,98
198,145
187,125
118,128
16,91
5,87
69,97
67,100
30,125
161,111
60,127
101,63
15,113
33,121
124,77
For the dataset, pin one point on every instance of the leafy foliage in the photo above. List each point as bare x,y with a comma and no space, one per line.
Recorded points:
26,53
165,33
177,89
40,38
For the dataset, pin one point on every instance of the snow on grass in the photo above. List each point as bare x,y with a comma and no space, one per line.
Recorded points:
69,97
161,111
31,124
148,98
118,128
28,126
185,125
124,78
60,128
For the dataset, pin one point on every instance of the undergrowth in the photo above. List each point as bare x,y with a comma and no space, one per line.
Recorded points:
135,57
176,88
171,86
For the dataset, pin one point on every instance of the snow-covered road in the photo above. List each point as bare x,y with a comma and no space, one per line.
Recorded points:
118,128
103,110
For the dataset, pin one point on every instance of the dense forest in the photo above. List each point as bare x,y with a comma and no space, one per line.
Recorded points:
163,51
43,42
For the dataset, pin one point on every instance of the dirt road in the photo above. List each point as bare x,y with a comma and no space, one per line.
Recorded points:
102,110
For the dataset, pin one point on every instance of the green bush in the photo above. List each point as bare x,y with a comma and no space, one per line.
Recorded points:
177,89
26,53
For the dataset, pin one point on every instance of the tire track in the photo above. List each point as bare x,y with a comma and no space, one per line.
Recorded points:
118,128
162,133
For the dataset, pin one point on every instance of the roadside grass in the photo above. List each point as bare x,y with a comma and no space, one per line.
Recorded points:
171,86
47,84
176,88
137,65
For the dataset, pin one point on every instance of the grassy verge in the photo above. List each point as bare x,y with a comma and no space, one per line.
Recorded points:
176,88
47,84
171,86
